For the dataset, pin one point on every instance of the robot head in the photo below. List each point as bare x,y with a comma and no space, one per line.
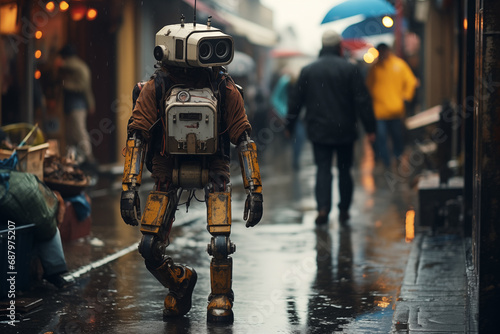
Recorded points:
193,45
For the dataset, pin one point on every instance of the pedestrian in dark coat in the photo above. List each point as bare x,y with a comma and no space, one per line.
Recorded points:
335,97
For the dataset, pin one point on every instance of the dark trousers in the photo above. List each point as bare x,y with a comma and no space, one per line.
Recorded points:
389,128
323,155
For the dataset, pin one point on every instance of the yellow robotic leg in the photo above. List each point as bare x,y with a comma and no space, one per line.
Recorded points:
155,226
220,301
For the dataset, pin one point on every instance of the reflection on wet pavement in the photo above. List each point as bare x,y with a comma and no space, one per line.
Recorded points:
289,276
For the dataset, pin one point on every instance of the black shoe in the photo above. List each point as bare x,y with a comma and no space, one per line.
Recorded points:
322,218
58,281
344,216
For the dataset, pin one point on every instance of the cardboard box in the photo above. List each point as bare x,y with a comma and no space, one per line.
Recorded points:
30,158
71,228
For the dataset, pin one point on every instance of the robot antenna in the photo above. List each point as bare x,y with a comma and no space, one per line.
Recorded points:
194,14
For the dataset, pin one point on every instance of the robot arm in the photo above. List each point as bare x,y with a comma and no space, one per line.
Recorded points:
130,207
247,152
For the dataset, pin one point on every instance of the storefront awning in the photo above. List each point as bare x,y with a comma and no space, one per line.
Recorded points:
239,26
202,7
252,31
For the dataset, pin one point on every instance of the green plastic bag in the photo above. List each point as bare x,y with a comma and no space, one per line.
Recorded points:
24,199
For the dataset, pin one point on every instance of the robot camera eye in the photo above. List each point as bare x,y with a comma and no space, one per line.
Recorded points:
222,49
206,50
160,53
215,51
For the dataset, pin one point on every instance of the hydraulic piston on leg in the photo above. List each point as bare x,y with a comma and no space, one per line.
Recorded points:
220,301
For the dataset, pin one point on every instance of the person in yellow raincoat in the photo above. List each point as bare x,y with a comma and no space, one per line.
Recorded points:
391,83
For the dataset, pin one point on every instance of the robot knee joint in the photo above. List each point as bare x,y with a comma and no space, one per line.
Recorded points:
152,249
220,247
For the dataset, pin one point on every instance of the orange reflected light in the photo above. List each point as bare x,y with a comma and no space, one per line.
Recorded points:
366,165
38,54
384,302
38,74
38,34
91,14
368,184
63,6
465,24
387,21
50,6
410,225
368,58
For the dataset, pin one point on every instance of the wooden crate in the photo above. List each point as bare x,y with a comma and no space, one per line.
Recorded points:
30,158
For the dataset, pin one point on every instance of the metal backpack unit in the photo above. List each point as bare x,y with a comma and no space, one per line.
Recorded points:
191,121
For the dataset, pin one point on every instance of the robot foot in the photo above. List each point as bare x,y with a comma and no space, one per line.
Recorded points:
178,301
219,309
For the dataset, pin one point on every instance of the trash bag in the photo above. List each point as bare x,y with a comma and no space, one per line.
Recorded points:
11,162
24,199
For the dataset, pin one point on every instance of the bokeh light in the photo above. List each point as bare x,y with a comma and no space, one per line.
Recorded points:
368,58
78,13
50,6
373,52
387,21
63,6
91,14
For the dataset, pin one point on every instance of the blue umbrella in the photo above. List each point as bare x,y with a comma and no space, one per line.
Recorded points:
370,27
367,8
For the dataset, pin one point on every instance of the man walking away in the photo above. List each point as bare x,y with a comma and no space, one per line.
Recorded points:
335,96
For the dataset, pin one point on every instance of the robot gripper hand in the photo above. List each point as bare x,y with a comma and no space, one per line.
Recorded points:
130,207
250,171
253,209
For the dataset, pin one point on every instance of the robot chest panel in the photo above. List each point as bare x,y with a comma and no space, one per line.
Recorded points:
191,117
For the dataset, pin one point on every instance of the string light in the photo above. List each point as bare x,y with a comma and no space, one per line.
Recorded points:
91,14
63,6
50,6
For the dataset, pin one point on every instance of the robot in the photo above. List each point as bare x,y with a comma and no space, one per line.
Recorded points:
182,124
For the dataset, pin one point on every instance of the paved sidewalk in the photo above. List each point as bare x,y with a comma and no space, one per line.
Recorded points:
433,297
